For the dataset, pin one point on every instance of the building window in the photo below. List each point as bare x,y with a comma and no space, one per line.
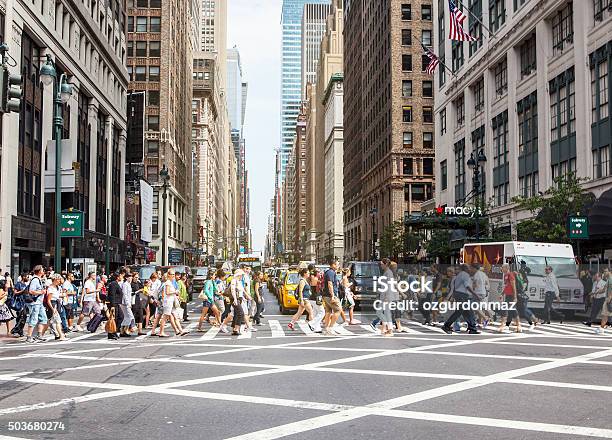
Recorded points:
406,37
529,185
600,102
153,148
564,168
563,29
153,96
426,12
460,171
424,62
407,113
407,139
30,131
153,122
155,4
501,173
155,24
428,89
457,54
407,166
130,24
441,41
428,115
427,139
101,162
497,14
601,162
528,56
407,63
500,72
475,28
519,3
562,109
444,175
140,73
601,9
478,92
406,88
428,167
81,193
426,38
116,185
154,49
443,121
406,11
141,48
527,112
459,104
130,48
153,73
141,24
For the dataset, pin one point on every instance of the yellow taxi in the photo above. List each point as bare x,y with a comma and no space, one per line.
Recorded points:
286,292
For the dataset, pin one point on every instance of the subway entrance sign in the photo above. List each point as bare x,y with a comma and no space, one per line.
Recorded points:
71,224
578,228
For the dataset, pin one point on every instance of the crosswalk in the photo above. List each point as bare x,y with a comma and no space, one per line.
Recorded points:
274,328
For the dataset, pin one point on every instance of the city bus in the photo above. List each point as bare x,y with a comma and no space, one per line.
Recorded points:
255,260
532,258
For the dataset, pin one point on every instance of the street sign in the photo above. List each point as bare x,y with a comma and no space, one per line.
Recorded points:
175,256
578,228
71,224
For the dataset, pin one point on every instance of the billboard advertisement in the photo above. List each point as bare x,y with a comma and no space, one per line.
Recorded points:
146,212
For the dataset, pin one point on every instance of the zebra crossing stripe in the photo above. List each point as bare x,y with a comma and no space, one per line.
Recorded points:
276,328
430,327
80,338
210,334
141,337
343,330
411,331
304,327
370,329
245,335
583,329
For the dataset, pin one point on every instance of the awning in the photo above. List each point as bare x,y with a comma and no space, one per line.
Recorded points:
600,216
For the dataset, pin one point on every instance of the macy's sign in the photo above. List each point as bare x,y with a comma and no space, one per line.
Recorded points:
464,211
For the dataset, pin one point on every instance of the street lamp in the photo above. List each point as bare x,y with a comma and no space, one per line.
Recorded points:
62,91
475,163
373,212
165,177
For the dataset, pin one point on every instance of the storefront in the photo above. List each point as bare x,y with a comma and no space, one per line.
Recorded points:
28,245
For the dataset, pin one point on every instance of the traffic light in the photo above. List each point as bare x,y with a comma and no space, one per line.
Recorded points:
11,89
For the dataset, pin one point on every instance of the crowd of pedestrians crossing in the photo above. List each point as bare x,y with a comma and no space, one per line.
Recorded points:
43,301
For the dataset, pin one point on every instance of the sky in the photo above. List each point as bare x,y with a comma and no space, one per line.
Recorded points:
254,27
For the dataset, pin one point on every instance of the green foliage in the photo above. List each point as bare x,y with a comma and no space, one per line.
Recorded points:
439,245
551,210
396,240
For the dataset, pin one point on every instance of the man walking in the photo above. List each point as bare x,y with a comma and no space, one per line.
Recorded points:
551,293
90,300
598,297
462,290
330,298
37,315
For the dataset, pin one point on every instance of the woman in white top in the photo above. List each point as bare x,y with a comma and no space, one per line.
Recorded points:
168,296
54,292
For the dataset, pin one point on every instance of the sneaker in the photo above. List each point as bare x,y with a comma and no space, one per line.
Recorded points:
37,338
473,332
504,330
79,328
485,323
31,340
253,329
310,326
344,324
291,326
373,327
223,329
531,327
598,330
447,330
54,332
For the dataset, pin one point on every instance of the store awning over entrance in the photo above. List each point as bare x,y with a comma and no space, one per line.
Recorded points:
600,216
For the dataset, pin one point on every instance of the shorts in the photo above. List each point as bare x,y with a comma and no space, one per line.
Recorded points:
91,306
168,305
37,314
206,303
332,305
138,312
508,313
69,311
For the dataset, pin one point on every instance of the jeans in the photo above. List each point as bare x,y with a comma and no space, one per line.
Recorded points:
461,300
596,306
128,316
62,312
425,312
548,310
384,313
238,314
37,314
258,311
523,311
184,307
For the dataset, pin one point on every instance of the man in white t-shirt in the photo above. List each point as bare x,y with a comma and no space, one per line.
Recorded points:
90,300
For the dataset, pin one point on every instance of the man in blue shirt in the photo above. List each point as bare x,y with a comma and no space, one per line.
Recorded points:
331,302
462,291
38,316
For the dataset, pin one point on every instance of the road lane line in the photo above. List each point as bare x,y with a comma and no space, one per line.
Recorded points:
210,334
306,330
343,331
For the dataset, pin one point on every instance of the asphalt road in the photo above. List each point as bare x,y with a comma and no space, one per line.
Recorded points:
276,383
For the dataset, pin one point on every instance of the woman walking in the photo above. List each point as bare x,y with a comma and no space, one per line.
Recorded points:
258,281
126,306
54,303
6,316
315,300
509,296
237,296
303,293
384,311
208,301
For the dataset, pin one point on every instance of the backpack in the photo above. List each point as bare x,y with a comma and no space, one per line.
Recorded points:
27,296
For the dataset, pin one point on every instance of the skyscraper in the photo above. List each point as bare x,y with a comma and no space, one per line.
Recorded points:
291,77
314,23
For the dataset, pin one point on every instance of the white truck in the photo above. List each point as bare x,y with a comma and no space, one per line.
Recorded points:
532,258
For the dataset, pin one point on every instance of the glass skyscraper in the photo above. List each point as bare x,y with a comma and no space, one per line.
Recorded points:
291,73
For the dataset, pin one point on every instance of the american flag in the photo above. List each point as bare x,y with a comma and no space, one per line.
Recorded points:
457,18
433,60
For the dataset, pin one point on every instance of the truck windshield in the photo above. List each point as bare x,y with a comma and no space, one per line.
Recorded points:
366,270
292,278
563,267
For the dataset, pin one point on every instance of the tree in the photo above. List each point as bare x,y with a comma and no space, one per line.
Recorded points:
396,240
439,245
552,208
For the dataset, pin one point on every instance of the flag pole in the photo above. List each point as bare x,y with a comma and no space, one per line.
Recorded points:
439,60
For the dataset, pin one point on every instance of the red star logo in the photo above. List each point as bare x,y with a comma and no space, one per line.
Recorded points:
439,210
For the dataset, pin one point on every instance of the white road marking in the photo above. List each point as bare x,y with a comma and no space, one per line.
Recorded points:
276,328
80,338
343,331
210,334
245,335
370,329
305,329
574,328
430,327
